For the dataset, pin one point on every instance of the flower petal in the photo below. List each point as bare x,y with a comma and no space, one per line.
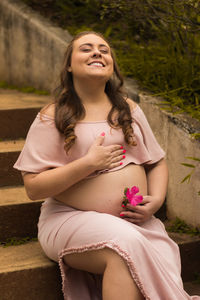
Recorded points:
133,202
138,199
134,190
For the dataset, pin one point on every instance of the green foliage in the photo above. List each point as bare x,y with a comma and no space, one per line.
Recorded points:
188,177
192,167
196,135
180,226
156,42
27,89
17,241
197,277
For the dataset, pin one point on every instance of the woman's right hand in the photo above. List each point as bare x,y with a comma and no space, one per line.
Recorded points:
105,157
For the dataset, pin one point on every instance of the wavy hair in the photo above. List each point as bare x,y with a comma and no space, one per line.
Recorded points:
69,108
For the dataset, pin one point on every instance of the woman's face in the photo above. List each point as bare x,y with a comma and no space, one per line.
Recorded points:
91,58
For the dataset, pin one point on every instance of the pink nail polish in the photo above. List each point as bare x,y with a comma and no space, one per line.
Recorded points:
121,215
123,156
124,151
121,147
121,163
103,133
123,205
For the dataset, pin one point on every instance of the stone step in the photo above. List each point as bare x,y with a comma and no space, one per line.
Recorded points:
192,287
19,217
9,152
17,112
18,214
27,274
189,250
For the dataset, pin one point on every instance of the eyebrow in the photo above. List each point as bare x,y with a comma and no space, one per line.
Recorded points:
89,44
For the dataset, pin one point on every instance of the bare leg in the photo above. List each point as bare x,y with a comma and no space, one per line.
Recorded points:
117,281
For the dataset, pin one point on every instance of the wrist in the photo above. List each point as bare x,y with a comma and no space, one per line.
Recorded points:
89,163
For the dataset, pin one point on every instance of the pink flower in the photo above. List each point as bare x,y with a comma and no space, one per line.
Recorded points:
131,197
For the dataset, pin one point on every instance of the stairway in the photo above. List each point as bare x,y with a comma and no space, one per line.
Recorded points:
25,272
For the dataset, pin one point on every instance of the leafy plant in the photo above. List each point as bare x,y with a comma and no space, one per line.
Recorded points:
156,42
14,241
181,226
192,167
27,89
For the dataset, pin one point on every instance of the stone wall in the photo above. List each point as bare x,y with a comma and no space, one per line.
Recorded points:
31,49
173,133
31,52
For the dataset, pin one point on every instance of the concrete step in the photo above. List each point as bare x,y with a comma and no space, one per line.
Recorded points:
17,112
189,250
9,152
192,288
27,274
18,215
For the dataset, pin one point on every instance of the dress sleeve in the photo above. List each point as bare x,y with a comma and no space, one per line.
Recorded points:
148,149
44,147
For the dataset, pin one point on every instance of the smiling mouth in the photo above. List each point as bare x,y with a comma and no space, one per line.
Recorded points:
97,64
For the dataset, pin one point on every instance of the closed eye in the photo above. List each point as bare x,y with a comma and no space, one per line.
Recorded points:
86,49
104,51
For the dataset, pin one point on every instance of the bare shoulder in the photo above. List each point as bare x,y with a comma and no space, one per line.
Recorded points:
131,103
49,110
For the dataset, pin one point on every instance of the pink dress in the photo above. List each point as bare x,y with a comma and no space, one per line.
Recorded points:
152,257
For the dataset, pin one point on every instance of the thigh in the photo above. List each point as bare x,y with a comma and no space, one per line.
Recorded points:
87,229
93,261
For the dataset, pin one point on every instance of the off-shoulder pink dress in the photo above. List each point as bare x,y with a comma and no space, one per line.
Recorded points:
152,257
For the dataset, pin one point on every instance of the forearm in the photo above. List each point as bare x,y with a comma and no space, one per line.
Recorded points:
55,181
157,180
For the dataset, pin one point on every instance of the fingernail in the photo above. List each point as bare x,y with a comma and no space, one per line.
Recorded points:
103,133
123,205
123,156
124,151
121,147
121,215
121,163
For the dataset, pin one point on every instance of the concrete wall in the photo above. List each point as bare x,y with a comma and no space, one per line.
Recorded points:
31,49
31,52
173,133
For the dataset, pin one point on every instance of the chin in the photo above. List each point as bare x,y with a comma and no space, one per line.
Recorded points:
97,76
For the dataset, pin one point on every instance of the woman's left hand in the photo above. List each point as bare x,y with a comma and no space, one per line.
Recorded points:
140,213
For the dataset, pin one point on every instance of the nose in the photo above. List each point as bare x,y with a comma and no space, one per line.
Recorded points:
96,53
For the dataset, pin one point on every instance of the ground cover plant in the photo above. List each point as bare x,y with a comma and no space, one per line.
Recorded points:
180,226
156,42
26,89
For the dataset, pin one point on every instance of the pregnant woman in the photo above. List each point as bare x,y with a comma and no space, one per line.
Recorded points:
80,153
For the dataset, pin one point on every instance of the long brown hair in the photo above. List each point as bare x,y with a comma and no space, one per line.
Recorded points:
69,108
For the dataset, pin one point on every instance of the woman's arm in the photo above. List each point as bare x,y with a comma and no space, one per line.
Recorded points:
55,181
52,182
157,180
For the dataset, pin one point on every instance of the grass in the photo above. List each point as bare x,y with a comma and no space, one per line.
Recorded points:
181,226
15,241
27,89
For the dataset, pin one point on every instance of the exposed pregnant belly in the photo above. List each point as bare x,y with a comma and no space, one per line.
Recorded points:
104,193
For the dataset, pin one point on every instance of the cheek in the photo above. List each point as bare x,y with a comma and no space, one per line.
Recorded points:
110,61
75,61
111,67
